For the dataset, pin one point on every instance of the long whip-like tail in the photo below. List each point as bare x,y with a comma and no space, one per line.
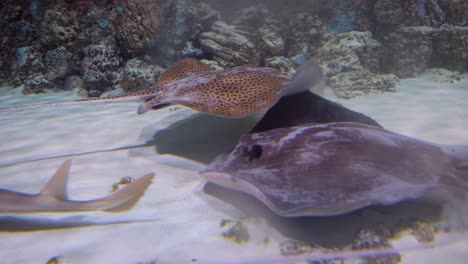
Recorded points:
132,97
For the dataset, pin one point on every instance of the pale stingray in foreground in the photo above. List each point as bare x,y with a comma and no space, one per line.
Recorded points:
53,198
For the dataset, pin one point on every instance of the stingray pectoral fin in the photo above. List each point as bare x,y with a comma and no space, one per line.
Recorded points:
308,77
181,69
57,186
307,107
129,196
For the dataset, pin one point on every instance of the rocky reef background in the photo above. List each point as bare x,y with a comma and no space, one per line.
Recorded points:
95,46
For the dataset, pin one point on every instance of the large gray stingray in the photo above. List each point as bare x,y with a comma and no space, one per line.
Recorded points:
330,169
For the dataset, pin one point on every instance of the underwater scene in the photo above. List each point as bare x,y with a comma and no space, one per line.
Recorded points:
248,131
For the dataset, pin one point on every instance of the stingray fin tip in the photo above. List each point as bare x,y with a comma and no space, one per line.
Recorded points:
141,109
57,185
134,191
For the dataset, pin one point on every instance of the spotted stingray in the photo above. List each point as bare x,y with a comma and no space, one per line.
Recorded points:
335,168
234,92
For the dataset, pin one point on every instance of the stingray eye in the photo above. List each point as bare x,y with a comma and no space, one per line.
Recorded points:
252,152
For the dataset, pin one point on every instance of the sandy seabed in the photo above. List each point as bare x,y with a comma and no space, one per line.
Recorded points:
175,221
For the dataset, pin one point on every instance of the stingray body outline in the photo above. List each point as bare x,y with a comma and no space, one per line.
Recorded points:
233,92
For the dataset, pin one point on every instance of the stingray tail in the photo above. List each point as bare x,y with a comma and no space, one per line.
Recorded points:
308,77
136,97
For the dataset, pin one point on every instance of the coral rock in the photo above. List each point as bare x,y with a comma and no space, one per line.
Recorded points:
28,63
193,52
360,47
280,63
457,12
252,17
367,239
351,62
94,24
297,248
229,46
444,76
101,68
184,21
58,63
266,33
408,51
421,12
137,24
212,64
11,10
303,34
23,32
36,84
138,75
59,26
362,82
409,12
15,32
270,41
450,48
73,83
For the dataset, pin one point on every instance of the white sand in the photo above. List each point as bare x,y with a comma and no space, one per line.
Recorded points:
175,221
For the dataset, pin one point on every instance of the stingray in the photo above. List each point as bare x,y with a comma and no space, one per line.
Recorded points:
335,168
234,93
53,198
